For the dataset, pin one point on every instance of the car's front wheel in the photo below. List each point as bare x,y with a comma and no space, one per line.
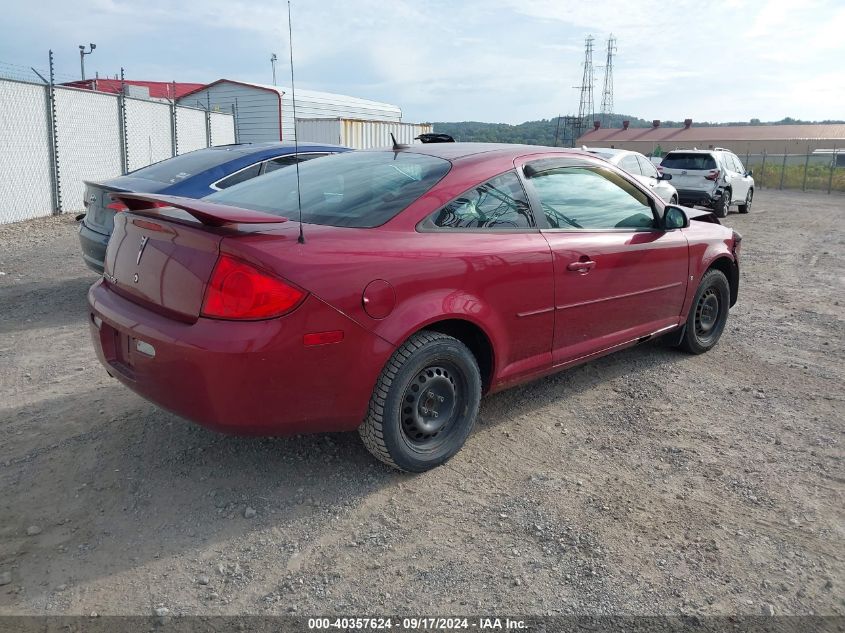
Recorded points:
424,404
708,314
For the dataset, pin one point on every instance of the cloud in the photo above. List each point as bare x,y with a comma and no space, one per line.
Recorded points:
497,60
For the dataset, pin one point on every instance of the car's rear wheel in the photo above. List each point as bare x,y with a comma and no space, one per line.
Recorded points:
745,208
424,404
723,206
708,314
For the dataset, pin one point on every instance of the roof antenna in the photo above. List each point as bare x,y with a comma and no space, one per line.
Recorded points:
301,239
397,145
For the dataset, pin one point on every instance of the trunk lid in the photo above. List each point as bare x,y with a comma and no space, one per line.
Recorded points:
97,198
163,257
161,265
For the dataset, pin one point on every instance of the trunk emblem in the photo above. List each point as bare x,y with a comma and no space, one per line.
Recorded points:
93,198
135,278
144,241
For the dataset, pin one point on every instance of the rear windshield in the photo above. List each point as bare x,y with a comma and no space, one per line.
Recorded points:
680,160
178,168
356,189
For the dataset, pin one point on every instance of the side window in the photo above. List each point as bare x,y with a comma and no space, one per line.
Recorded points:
499,203
240,176
285,161
647,167
739,166
591,198
629,163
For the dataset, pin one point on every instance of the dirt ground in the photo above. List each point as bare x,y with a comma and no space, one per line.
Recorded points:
648,482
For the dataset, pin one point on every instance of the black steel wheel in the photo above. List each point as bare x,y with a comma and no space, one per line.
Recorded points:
424,404
745,208
723,206
708,314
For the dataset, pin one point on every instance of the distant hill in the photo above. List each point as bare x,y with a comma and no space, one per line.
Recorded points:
542,132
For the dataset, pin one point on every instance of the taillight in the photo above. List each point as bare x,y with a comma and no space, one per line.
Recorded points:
713,175
117,206
237,290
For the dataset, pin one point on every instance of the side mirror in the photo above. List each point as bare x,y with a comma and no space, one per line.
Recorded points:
664,176
749,173
674,218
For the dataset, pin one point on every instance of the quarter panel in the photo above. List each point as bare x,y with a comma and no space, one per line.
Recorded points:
708,242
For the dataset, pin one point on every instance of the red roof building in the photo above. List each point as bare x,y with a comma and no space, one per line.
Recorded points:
157,89
741,139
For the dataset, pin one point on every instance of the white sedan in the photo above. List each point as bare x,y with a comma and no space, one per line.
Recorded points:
640,168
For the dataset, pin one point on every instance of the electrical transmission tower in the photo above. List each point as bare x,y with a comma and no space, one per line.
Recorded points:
586,107
607,92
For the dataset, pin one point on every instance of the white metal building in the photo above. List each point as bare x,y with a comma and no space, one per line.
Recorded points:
265,113
358,133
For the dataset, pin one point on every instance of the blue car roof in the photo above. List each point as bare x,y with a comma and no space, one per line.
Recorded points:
197,184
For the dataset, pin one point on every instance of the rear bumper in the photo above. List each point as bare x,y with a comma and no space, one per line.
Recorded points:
253,378
93,247
699,196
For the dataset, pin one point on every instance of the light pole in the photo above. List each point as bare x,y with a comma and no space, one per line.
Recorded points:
273,59
82,54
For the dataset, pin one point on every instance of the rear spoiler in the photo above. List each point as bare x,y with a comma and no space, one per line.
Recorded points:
209,213
102,185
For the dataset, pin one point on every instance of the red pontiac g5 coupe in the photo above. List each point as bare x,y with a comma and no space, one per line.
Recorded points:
427,276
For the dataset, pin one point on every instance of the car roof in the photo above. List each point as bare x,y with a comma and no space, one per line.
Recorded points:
460,151
607,151
696,150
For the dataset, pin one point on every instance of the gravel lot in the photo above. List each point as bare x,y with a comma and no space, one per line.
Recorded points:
649,482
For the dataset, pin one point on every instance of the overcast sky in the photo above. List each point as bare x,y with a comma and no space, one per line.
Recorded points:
487,60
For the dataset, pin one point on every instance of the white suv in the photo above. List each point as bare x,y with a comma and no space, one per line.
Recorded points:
712,178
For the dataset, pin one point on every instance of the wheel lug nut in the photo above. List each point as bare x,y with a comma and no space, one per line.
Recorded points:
440,398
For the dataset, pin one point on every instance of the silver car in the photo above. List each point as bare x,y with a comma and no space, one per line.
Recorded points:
640,168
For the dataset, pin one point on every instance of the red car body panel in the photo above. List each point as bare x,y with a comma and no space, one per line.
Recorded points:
253,377
379,286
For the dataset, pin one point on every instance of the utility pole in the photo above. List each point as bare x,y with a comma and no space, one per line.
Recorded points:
273,59
82,54
586,107
607,92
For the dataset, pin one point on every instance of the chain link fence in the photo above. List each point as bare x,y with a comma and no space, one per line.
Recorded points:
87,141
221,129
191,129
26,189
54,138
810,171
149,133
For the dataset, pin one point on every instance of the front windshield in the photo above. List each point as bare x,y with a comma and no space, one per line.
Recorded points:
355,189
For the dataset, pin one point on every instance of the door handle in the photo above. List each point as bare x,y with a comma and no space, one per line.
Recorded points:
581,266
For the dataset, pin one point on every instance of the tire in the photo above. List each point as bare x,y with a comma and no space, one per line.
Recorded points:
745,208
724,204
708,313
403,426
